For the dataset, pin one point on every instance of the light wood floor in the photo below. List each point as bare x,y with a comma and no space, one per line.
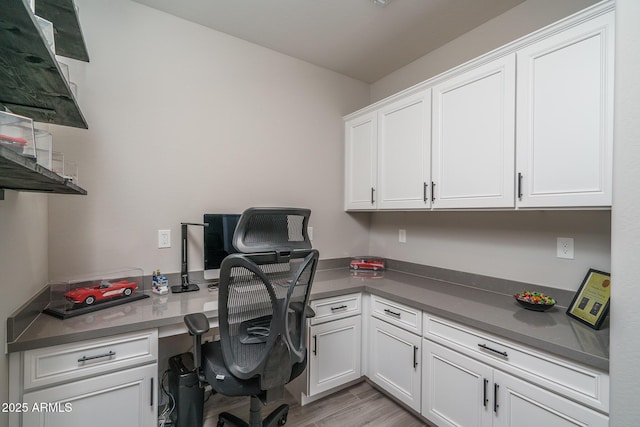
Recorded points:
359,405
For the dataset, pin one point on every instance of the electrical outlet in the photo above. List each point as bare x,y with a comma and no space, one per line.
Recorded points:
402,236
164,239
565,247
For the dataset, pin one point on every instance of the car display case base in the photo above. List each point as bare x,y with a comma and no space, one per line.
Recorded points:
72,310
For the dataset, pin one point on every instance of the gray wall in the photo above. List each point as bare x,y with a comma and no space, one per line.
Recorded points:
184,120
521,20
23,262
518,246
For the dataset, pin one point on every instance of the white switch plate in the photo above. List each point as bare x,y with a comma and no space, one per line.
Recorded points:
164,239
402,235
565,247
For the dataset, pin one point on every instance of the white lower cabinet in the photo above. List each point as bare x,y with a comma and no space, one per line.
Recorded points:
334,357
394,356
125,399
455,388
102,382
335,347
461,391
522,404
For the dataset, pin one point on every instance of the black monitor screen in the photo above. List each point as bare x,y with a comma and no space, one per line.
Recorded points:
218,235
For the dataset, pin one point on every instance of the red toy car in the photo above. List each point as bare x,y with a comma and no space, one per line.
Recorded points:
367,264
105,290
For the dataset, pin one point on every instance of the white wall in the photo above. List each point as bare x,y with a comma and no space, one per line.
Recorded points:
517,22
625,238
23,262
184,120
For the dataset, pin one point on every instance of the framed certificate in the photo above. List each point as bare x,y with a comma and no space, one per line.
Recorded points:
590,304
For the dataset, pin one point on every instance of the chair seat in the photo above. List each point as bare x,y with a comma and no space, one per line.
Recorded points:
222,381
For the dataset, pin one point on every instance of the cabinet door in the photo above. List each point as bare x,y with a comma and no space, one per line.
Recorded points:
360,162
404,153
125,399
456,390
565,117
334,358
521,404
473,137
394,358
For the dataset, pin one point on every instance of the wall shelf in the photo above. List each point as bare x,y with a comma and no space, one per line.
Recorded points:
68,34
24,174
31,82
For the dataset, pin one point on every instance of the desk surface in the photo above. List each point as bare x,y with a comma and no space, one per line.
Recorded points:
552,331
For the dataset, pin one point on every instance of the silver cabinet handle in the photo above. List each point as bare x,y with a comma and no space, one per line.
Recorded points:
99,356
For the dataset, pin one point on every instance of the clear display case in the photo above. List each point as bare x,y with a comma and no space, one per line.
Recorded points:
95,292
44,148
64,167
47,30
16,133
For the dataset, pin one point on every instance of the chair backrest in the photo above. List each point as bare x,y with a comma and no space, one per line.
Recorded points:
263,295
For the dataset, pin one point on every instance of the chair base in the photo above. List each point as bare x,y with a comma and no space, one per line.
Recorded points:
276,418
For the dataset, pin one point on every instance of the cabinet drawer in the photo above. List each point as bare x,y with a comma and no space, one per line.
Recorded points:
397,314
49,365
578,382
333,308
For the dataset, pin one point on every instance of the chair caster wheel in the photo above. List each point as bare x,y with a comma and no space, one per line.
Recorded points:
283,420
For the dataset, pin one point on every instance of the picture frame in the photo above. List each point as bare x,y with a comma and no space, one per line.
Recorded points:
590,304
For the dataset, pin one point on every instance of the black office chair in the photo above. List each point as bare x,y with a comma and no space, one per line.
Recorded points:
262,310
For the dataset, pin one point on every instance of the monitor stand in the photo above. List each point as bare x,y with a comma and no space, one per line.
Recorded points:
184,274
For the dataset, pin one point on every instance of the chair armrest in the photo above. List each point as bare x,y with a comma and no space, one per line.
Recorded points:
197,323
308,311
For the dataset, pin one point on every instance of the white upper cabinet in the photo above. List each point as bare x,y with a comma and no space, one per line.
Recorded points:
529,125
360,162
404,153
565,117
473,137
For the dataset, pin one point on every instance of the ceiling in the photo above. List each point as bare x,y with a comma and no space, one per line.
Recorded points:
356,38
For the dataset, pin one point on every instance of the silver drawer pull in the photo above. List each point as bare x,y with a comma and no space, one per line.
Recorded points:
340,307
391,313
99,356
501,353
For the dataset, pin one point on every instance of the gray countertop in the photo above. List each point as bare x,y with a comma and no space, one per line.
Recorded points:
551,331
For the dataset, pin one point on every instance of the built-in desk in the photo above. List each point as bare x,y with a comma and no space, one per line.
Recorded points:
552,331
493,311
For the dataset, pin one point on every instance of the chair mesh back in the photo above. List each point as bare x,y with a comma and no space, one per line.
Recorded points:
261,305
272,229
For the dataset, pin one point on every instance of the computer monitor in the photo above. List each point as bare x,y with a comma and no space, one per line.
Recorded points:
218,237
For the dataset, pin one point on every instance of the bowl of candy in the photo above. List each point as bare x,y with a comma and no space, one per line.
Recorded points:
535,301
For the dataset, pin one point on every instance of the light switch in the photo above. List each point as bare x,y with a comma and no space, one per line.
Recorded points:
164,239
